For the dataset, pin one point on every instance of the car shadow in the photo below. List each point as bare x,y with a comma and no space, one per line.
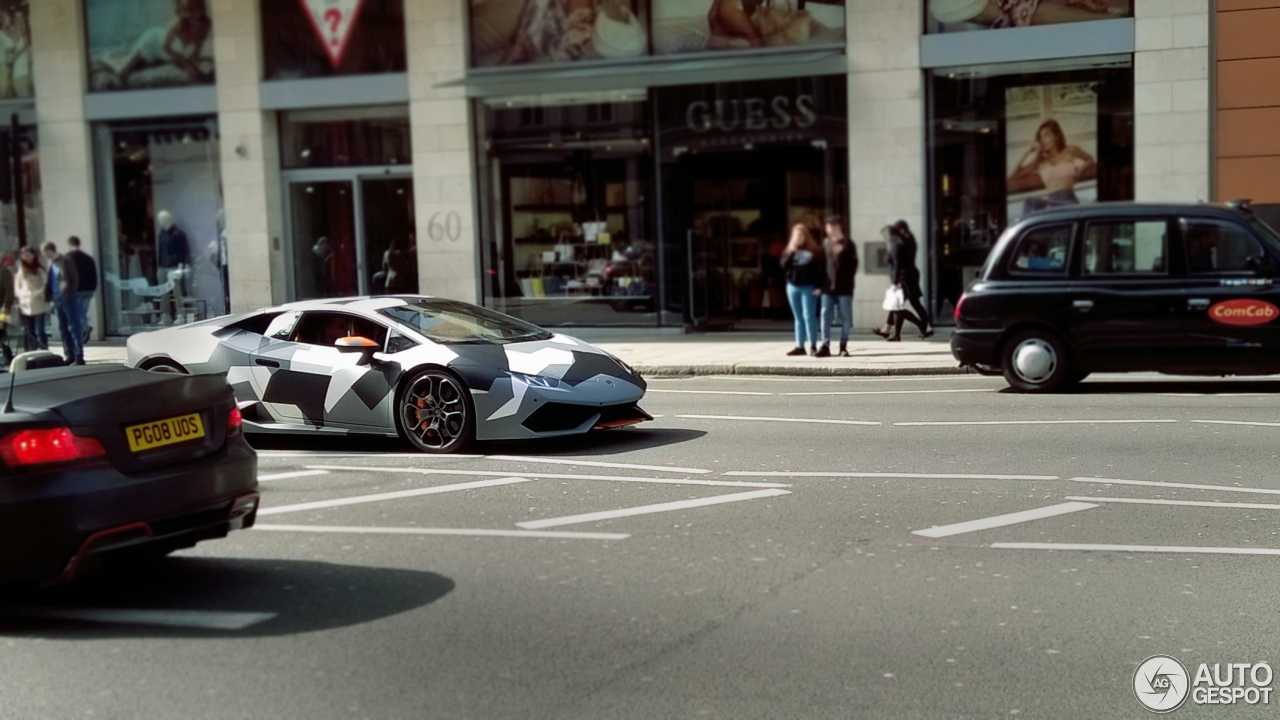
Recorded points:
197,597
602,442
336,444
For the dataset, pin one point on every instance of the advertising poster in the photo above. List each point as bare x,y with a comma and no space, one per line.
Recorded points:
681,26
1051,146
518,32
135,44
15,50
963,15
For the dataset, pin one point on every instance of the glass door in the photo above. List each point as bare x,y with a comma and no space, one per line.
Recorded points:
326,261
391,264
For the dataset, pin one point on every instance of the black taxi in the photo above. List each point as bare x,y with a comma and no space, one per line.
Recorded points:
1188,289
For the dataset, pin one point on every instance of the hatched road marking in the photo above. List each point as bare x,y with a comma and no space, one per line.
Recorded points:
649,509
296,474
555,476
391,495
1236,422
1003,520
209,619
920,476
778,419
1187,486
468,532
1034,422
1185,503
1138,548
589,463
893,392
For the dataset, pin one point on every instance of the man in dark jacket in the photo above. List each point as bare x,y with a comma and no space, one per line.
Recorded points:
63,283
87,271
837,292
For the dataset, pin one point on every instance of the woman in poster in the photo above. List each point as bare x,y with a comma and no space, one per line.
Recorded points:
1021,13
1055,164
15,51
181,45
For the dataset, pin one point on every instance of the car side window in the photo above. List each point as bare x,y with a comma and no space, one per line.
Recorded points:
281,326
397,342
1214,247
1126,247
1042,252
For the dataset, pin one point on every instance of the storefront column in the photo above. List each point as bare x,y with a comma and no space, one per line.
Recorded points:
66,147
250,153
886,138
1171,100
443,157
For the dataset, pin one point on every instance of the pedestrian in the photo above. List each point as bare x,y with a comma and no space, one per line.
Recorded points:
32,286
64,282
87,272
905,277
8,295
837,291
912,290
805,267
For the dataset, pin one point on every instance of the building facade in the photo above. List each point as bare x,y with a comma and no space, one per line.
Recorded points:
630,163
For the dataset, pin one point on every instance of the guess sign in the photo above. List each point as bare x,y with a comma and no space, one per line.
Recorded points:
1243,312
333,20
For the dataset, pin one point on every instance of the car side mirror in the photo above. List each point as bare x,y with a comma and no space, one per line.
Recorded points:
356,344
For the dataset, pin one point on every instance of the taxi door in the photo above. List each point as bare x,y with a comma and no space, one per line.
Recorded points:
1231,306
1125,302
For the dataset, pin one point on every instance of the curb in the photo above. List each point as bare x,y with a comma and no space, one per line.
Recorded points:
799,371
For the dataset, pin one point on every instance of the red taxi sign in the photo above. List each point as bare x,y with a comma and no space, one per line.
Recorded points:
1243,312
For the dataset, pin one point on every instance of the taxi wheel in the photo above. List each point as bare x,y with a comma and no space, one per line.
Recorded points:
1036,361
435,412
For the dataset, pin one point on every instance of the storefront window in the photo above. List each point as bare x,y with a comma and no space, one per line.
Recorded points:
519,32
328,138
567,190
15,50
136,44
1006,145
323,38
164,253
963,15
31,224
681,26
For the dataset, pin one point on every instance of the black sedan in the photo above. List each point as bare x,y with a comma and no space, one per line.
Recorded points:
105,460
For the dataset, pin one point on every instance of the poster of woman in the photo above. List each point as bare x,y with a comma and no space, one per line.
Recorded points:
517,32
963,15
149,43
1051,146
15,50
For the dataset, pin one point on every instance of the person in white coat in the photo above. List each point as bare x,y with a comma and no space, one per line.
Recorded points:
33,303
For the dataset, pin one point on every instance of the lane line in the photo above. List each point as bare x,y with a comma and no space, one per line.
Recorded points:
894,392
340,453
359,499
1035,422
554,476
939,531
1188,503
296,474
1186,486
465,532
649,509
895,378
922,476
1138,548
778,419
591,463
1236,422
709,392
208,619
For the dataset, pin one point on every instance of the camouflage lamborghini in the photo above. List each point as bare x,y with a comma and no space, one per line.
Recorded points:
440,373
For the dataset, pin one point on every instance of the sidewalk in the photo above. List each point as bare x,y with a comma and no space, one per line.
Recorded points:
742,353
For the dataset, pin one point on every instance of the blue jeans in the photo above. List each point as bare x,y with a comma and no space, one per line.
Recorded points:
69,326
82,304
841,305
804,307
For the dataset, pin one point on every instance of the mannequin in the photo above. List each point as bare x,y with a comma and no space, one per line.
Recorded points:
172,257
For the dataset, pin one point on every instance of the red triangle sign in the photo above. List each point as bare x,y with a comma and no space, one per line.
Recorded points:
333,21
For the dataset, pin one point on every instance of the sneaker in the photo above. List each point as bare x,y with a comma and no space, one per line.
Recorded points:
824,351
844,351
881,333
796,351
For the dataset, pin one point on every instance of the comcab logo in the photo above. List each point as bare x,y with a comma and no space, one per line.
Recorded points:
1243,312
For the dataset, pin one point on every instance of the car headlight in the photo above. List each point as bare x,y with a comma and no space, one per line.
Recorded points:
535,380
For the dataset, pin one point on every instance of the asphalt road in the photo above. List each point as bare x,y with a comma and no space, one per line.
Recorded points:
896,548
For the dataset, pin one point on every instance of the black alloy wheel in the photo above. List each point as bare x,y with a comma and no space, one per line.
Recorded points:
1036,361
435,413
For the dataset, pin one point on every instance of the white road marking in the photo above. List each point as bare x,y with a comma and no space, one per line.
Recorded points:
1036,422
648,509
709,392
923,476
1236,422
778,419
1138,548
209,619
1185,486
391,495
342,453
295,474
591,463
1188,503
1003,520
554,476
894,378
896,392
560,535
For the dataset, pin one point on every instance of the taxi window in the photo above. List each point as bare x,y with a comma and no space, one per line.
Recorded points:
1127,247
1214,247
1042,252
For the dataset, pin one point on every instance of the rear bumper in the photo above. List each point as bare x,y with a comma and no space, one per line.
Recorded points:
53,526
976,347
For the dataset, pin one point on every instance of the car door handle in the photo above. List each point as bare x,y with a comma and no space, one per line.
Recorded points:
267,363
1082,305
1198,304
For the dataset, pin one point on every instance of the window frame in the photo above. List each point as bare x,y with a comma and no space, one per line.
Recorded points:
1184,223
293,335
1013,271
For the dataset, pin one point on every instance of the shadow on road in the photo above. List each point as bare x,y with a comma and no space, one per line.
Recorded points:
329,443
608,442
191,597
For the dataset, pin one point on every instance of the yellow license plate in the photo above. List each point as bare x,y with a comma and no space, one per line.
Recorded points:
169,431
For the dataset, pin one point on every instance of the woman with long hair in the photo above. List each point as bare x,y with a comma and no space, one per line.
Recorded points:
805,267
33,304
1058,165
906,276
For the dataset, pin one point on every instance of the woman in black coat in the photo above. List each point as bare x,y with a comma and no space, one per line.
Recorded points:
905,275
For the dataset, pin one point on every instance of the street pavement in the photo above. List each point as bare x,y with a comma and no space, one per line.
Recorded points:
768,547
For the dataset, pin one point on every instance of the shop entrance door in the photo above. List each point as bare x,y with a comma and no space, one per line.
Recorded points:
352,234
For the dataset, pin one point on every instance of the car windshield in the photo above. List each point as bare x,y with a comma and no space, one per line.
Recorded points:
446,321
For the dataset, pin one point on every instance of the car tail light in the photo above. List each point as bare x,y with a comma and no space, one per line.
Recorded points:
49,446
235,422
959,304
